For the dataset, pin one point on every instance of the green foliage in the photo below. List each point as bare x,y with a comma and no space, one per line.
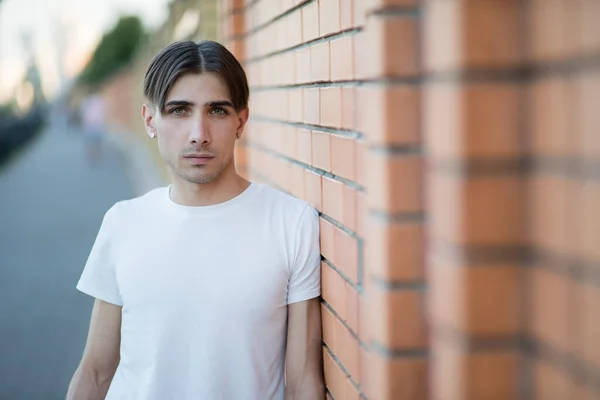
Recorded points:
115,50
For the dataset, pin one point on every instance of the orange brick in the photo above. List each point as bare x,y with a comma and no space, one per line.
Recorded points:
312,188
346,15
352,305
327,245
288,141
550,308
362,214
343,159
401,320
553,123
303,65
482,210
588,118
333,198
348,349
346,253
348,108
391,48
333,290
396,250
321,150
297,175
350,208
342,59
364,320
395,116
395,183
591,331
312,105
328,323
319,62
304,146
590,212
551,384
360,12
310,22
329,16
396,378
331,107
360,146
473,35
296,105
459,113
334,377
554,28
480,375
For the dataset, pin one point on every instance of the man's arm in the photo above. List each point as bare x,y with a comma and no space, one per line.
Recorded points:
101,355
304,354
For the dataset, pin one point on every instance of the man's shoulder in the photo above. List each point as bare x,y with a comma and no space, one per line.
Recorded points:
138,204
278,199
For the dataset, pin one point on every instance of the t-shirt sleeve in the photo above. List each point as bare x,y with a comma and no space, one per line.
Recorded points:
305,280
98,277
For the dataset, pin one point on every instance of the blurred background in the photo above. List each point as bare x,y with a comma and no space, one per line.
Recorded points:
451,147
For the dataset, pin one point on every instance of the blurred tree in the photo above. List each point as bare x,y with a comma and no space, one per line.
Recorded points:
115,50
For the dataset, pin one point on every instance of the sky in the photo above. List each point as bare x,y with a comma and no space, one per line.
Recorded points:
82,24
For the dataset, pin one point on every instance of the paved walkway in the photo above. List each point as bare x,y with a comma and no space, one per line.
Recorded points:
51,206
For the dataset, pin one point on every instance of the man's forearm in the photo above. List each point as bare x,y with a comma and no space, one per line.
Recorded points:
88,384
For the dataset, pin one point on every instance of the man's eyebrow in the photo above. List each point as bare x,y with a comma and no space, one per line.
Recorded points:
180,103
219,103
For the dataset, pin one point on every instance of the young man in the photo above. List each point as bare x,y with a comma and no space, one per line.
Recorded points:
208,288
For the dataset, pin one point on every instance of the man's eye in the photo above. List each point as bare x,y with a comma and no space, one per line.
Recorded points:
219,111
177,110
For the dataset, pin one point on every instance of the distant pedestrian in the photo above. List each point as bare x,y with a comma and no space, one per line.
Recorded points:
208,288
93,126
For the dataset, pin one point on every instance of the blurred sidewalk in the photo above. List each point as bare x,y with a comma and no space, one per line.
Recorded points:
51,206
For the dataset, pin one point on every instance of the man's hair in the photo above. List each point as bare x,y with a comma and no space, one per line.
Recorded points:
188,57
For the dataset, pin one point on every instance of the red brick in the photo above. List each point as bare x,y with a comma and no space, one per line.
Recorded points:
328,323
352,306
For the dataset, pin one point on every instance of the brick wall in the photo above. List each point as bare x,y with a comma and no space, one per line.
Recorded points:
452,148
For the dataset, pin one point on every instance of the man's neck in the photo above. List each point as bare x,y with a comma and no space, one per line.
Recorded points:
207,194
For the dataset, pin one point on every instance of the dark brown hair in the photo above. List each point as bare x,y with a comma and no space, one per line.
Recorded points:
188,57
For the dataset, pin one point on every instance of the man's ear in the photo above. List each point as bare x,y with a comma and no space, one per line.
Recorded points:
242,118
148,116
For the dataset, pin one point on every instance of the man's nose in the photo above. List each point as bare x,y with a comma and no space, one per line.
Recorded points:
200,133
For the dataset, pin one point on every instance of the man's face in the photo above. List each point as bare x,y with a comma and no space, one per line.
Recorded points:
197,128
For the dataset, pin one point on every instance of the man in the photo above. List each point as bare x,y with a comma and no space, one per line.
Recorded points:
208,288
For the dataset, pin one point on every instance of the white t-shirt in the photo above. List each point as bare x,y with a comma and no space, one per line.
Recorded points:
204,292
